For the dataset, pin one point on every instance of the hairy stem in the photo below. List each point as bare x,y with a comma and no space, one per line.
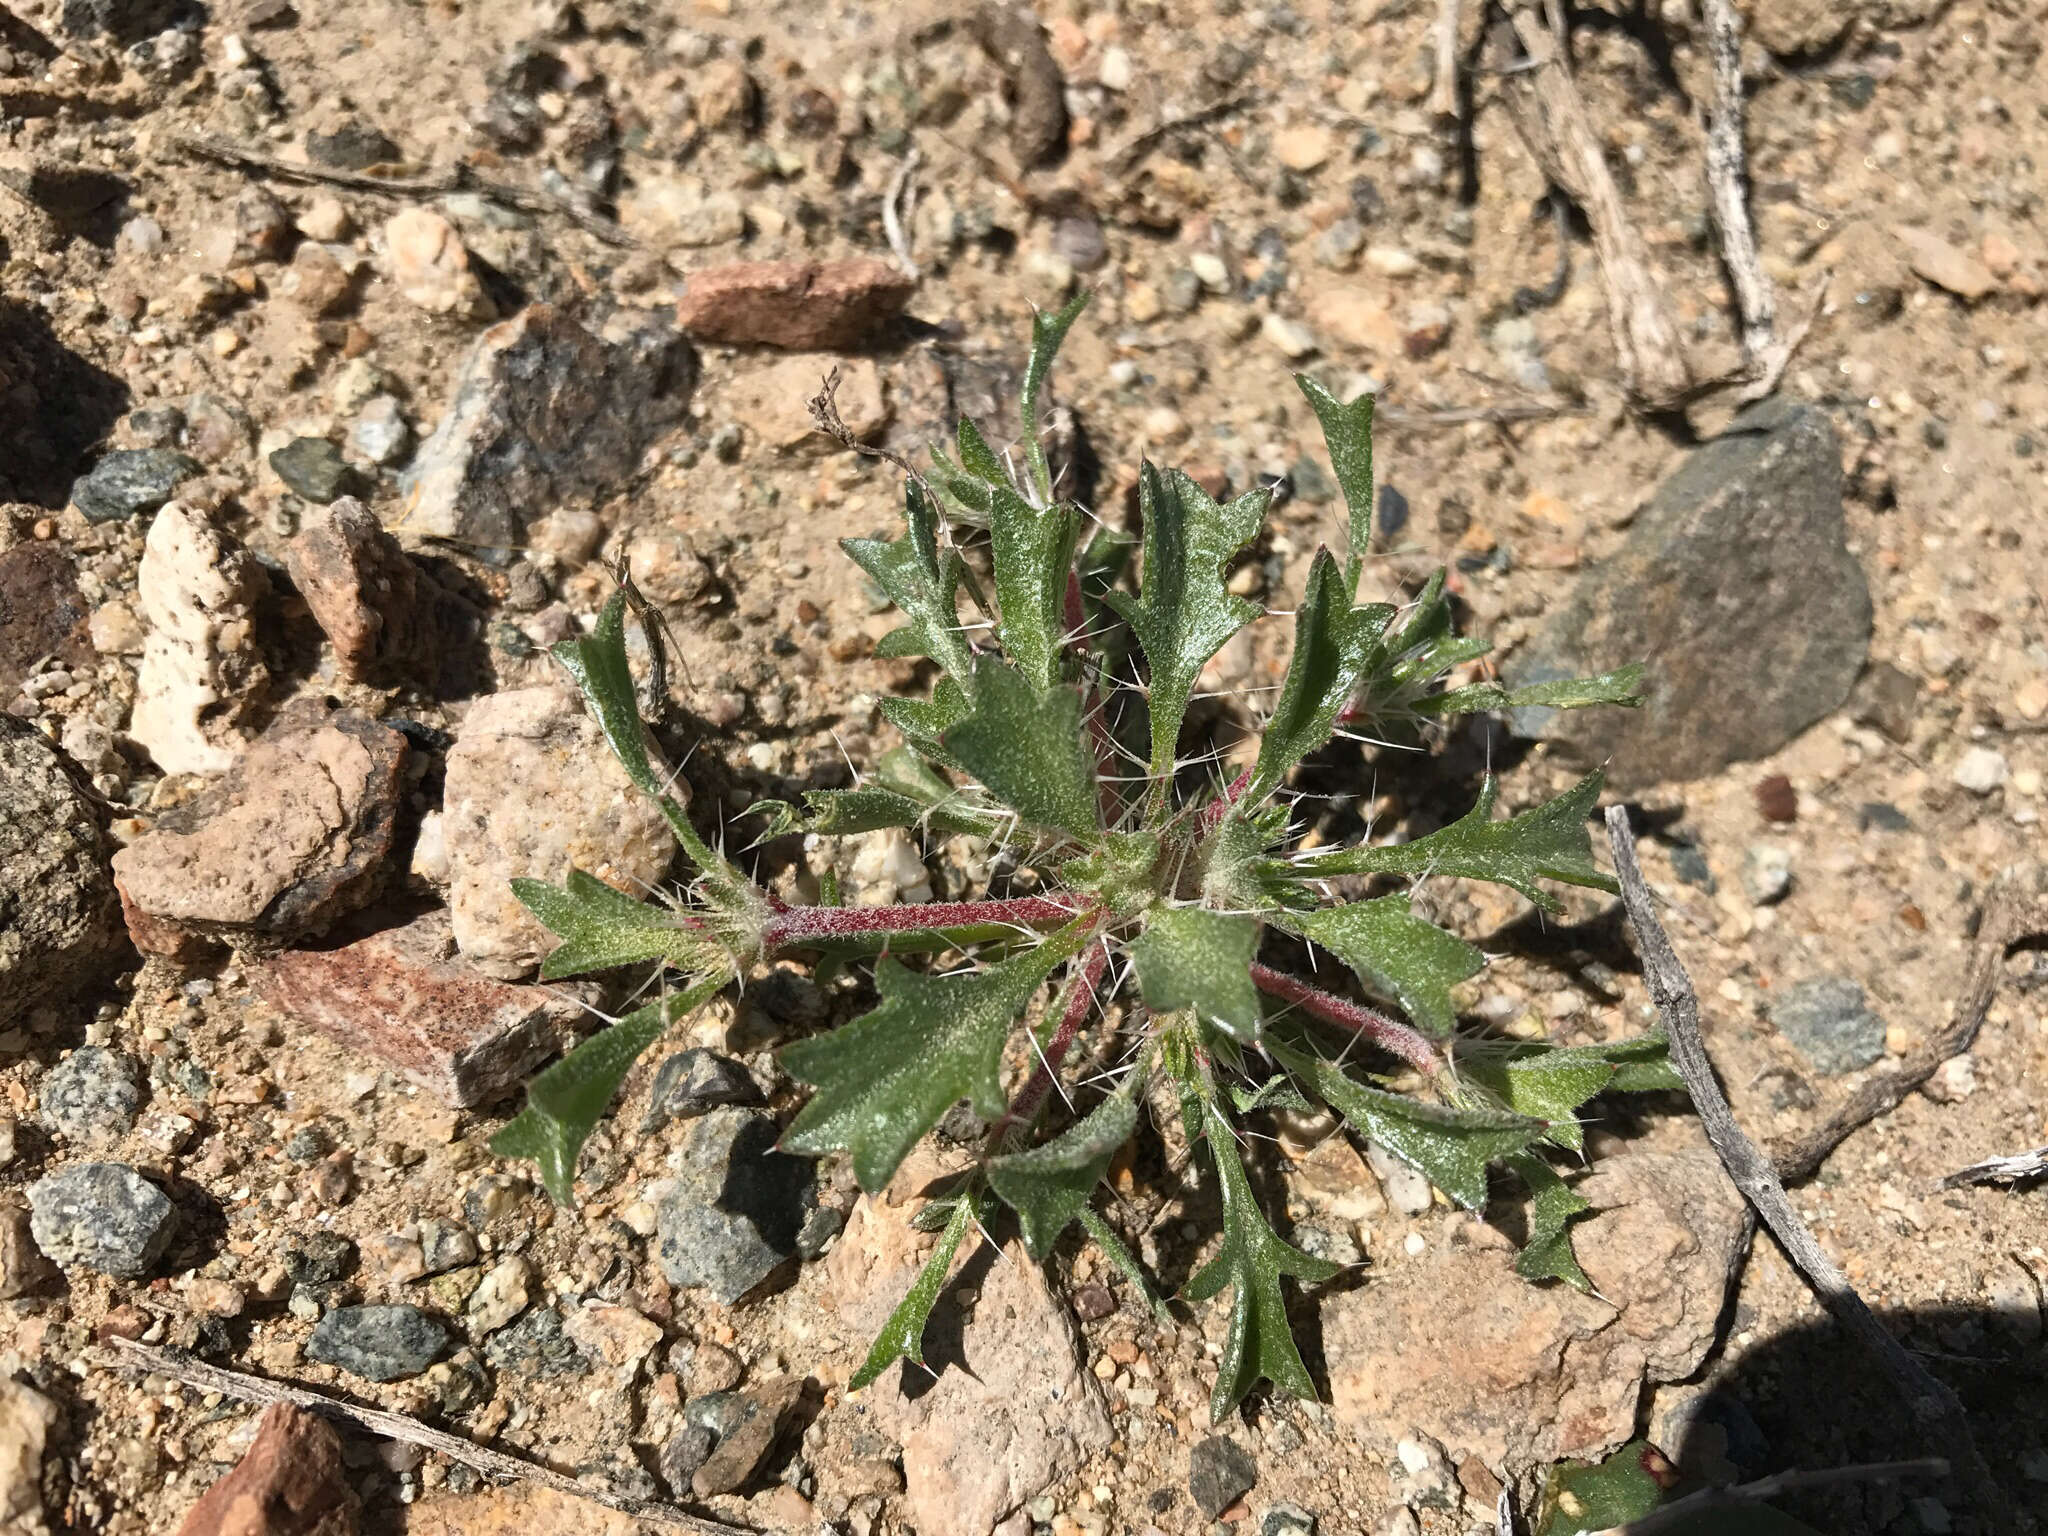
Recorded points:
806,927
1077,1002
1389,1034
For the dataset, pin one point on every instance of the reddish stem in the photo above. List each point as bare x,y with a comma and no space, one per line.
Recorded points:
1389,1034
1079,1003
1213,812
806,925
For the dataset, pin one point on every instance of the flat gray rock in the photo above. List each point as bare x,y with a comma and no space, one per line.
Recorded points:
732,1217
1736,588
102,1216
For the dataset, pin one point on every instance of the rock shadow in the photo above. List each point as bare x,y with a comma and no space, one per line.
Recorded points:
60,407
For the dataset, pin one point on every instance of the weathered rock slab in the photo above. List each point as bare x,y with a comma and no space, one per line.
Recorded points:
290,1482
805,306
1737,590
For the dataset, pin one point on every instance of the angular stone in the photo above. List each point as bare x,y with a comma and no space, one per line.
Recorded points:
747,1437
1220,1472
731,1218
544,413
1010,1416
92,1096
533,792
1736,587
387,615
41,613
23,1269
314,468
102,1216
1943,265
693,1081
805,306
130,481
1453,1344
27,1420
60,922
431,268
1830,1022
378,1343
290,1482
353,145
202,670
292,839
403,996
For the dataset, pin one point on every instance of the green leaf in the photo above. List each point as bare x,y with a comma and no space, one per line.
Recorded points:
1547,843
1451,1146
1260,1345
921,579
902,1336
1552,1204
1193,957
924,722
1048,1185
1347,435
1122,1260
1641,1064
1047,332
1545,1084
1399,956
890,1075
1622,686
564,1103
1578,1498
601,927
1334,645
1030,749
1183,613
1034,555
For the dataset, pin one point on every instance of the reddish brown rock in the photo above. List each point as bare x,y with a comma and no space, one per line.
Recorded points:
291,839
402,996
806,306
384,612
290,1482
41,613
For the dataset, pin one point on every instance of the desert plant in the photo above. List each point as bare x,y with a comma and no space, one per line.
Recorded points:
1054,726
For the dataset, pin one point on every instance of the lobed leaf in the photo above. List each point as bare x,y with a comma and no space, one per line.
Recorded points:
921,579
1549,842
890,1075
1194,957
1047,332
1033,549
1451,1146
1547,1255
1347,435
1622,686
601,927
1048,1185
1259,1345
1334,646
902,1336
1399,956
564,1103
1183,613
1121,1259
1030,749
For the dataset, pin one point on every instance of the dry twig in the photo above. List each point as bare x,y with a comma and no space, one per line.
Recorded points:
899,205
1747,1495
397,1426
1727,179
1443,91
1127,157
2001,1170
1552,118
460,179
1936,1409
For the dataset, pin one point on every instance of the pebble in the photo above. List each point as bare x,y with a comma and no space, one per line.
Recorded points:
1828,1019
1391,261
1220,1472
1339,245
1294,340
1183,290
142,235
1079,242
27,1421
325,219
1981,770
314,468
93,1096
381,433
445,1245
2032,698
1942,264
731,1217
131,481
538,1344
352,146
506,1289
1287,1520
1766,873
101,1216
691,1082
388,1343
430,266
747,1425
1302,148
1776,799
1210,271
290,1482
317,282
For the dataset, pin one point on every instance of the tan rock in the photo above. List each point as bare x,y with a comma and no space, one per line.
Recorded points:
803,306
26,1421
290,1482
774,402
1454,1344
1347,314
1302,148
317,282
430,266
532,791
2001,256
1943,265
